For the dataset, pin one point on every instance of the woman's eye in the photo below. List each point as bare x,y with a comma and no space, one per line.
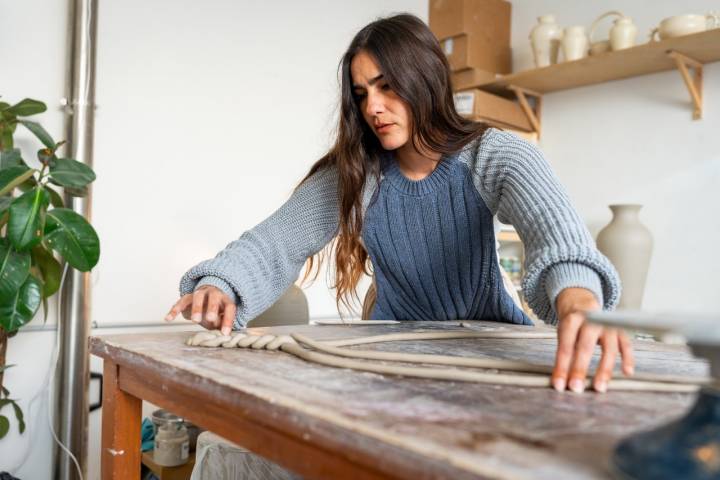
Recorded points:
359,95
385,87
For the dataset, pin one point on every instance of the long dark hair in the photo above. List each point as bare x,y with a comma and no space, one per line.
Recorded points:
415,68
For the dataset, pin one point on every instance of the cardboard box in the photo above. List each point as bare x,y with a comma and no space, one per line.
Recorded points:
483,106
487,20
469,51
469,78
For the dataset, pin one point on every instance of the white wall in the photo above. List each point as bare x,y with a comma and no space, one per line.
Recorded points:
634,141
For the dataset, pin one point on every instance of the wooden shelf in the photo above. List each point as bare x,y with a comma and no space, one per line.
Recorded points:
652,57
508,236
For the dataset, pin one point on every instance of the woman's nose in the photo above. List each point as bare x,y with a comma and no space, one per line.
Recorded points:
375,104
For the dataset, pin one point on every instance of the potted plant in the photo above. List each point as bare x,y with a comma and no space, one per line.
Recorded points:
34,226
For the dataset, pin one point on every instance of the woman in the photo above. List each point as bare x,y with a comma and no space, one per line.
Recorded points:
411,187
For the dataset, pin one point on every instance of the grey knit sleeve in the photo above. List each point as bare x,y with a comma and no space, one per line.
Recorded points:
257,268
516,183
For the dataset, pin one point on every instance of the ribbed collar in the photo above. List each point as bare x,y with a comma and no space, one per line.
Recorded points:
429,184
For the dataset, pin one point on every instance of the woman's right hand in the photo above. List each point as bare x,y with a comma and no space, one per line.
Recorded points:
208,306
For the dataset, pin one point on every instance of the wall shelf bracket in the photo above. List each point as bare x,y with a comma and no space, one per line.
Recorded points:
694,84
532,113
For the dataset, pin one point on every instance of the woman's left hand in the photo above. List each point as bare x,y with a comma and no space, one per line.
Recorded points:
576,342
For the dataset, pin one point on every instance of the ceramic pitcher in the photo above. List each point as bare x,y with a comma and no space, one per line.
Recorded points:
628,244
622,34
574,43
545,40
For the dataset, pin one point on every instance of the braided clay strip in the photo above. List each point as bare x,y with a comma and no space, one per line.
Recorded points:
292,344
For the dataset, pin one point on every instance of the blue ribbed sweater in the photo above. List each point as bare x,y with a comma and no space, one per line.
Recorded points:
498,174
432,247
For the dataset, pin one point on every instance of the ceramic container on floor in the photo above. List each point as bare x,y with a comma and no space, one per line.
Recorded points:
574,43
545,40
628,244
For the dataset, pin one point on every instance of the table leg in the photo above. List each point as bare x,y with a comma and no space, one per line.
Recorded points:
121,417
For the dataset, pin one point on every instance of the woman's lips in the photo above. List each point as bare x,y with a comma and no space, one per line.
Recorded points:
383,128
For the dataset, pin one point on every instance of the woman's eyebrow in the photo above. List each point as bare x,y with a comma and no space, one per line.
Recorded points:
372,81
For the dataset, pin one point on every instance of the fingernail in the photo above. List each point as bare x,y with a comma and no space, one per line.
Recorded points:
631,370
168,317
226,330
601,386
210,317
577,385
196,317
559,384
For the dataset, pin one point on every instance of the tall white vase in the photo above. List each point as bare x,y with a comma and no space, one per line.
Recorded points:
628,244
545,40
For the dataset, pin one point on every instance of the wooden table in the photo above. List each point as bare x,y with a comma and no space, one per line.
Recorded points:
324,422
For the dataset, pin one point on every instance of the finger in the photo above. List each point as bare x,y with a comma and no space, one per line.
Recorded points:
626,350
587,339
228,318
567,335
609,342
197,305
179,306
213,307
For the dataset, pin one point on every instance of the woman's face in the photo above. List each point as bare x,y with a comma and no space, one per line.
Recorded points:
387,114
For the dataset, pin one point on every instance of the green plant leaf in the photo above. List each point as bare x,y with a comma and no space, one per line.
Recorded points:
50,270
4,426
5,203
39,132
6,140
20,417
14,269
12,177
26,214
21,308
77,192
11,158
2,369
73,238
26,107
56,199
71,173
28,184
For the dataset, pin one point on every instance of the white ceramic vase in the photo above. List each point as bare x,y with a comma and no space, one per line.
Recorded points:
628,244
545,40
623,34
574,43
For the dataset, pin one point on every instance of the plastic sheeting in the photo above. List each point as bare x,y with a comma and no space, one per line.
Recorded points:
219,459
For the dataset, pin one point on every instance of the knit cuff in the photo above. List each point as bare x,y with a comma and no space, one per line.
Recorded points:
564,275
186,286
218,283
536,278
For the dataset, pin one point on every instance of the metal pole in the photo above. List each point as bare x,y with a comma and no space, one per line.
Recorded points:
73,371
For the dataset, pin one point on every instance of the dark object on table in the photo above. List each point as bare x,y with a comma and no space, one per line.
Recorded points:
688,448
